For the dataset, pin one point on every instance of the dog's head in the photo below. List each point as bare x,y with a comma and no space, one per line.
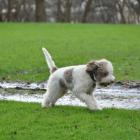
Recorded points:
102,71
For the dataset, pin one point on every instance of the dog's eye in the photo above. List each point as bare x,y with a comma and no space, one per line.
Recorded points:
104,74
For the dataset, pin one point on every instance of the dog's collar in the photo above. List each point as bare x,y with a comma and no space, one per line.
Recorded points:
92,76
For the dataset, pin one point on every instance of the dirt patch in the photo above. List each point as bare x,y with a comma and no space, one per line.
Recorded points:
43,85
129,84
119,95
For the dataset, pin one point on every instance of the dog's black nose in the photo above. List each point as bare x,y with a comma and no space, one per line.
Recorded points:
112,81
104,84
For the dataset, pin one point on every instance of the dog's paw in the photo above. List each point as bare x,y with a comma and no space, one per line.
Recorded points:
43,105
95,108
99,108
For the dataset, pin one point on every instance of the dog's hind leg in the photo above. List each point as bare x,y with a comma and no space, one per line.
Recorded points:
53,93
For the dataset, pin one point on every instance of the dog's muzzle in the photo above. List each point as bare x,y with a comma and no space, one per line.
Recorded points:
106,84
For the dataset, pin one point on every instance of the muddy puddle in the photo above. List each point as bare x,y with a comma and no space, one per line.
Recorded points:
115,96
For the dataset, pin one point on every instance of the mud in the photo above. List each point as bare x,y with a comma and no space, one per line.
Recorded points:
116,96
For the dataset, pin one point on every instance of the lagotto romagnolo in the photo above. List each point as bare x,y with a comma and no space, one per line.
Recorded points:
81,80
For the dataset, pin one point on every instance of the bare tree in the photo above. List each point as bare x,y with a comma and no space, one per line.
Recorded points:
10,6
64,10
121,5
68,10
40,10
99,11
137,10
59,11
13,10
87,10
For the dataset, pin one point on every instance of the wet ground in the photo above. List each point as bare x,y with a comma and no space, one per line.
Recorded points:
119,95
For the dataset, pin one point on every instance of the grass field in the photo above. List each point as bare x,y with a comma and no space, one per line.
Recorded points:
21,57
20,121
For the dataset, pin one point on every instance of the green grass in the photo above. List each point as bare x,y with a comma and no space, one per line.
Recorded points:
20,121
70,44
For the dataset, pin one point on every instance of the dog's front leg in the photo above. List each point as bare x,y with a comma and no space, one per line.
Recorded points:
89,100
97,105
94,99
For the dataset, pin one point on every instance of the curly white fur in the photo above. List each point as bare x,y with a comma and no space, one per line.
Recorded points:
75,79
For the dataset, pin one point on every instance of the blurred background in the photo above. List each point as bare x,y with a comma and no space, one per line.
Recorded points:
71,11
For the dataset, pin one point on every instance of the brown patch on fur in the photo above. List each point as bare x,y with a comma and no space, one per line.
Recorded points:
62,83
98,69
68,75
92,69
91,66
101,71
53,69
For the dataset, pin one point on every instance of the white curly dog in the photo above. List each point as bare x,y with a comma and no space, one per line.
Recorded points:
81,80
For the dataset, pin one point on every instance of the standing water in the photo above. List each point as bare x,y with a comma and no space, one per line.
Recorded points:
115,96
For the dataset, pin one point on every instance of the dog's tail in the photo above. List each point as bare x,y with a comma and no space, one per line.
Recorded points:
49,60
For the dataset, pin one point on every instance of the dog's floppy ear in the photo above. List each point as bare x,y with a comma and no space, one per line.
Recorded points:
92,66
